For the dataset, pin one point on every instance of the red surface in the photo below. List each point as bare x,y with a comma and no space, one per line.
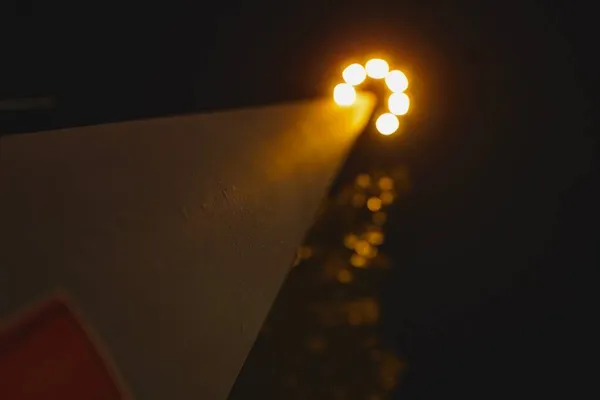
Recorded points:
48,355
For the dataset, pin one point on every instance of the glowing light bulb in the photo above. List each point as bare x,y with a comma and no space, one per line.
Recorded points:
399,103
354,74
344,94
377,68
387,124
396,81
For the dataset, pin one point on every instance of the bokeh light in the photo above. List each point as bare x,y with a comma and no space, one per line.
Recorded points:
386,183
396,81
374,204
362,247
344,276
344,94
387,197
372,252
377,68
387,124
398,103
350,240
375,237
354,74
363,181
358,261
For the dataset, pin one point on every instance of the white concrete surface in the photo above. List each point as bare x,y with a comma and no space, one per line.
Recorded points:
172,235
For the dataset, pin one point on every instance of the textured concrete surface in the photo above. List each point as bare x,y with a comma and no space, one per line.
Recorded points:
172,235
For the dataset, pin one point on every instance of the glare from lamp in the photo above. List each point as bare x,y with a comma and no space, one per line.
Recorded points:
387,124
377,68
354,74
399,103
344,94
396,81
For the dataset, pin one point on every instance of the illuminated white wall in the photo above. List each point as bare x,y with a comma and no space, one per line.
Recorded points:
173,235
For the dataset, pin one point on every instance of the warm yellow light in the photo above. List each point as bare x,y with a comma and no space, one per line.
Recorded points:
372,252
375,237
386,197
377,68
358,261
363,181
374,204
386,183
344,94
354,74
396,81
350,240
344,276
387,124
362,247
398,103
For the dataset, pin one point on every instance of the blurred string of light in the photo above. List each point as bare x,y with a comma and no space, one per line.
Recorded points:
373,192
367,198
328,310
398,102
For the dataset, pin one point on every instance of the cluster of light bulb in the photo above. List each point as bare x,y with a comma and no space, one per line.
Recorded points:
398,102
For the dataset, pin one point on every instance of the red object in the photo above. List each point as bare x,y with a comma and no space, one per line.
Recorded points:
47,354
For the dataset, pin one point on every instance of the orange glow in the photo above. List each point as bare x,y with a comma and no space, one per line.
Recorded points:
344,276
375,237
344,94
374,204
396,81
387,197
372,252
362,248
354,74
399,103
350,241
363,181
377,68
386,183
387,124
358,261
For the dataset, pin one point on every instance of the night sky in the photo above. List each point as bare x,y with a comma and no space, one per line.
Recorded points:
495,246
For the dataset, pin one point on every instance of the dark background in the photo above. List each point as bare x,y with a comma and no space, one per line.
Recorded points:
495,248
104,61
